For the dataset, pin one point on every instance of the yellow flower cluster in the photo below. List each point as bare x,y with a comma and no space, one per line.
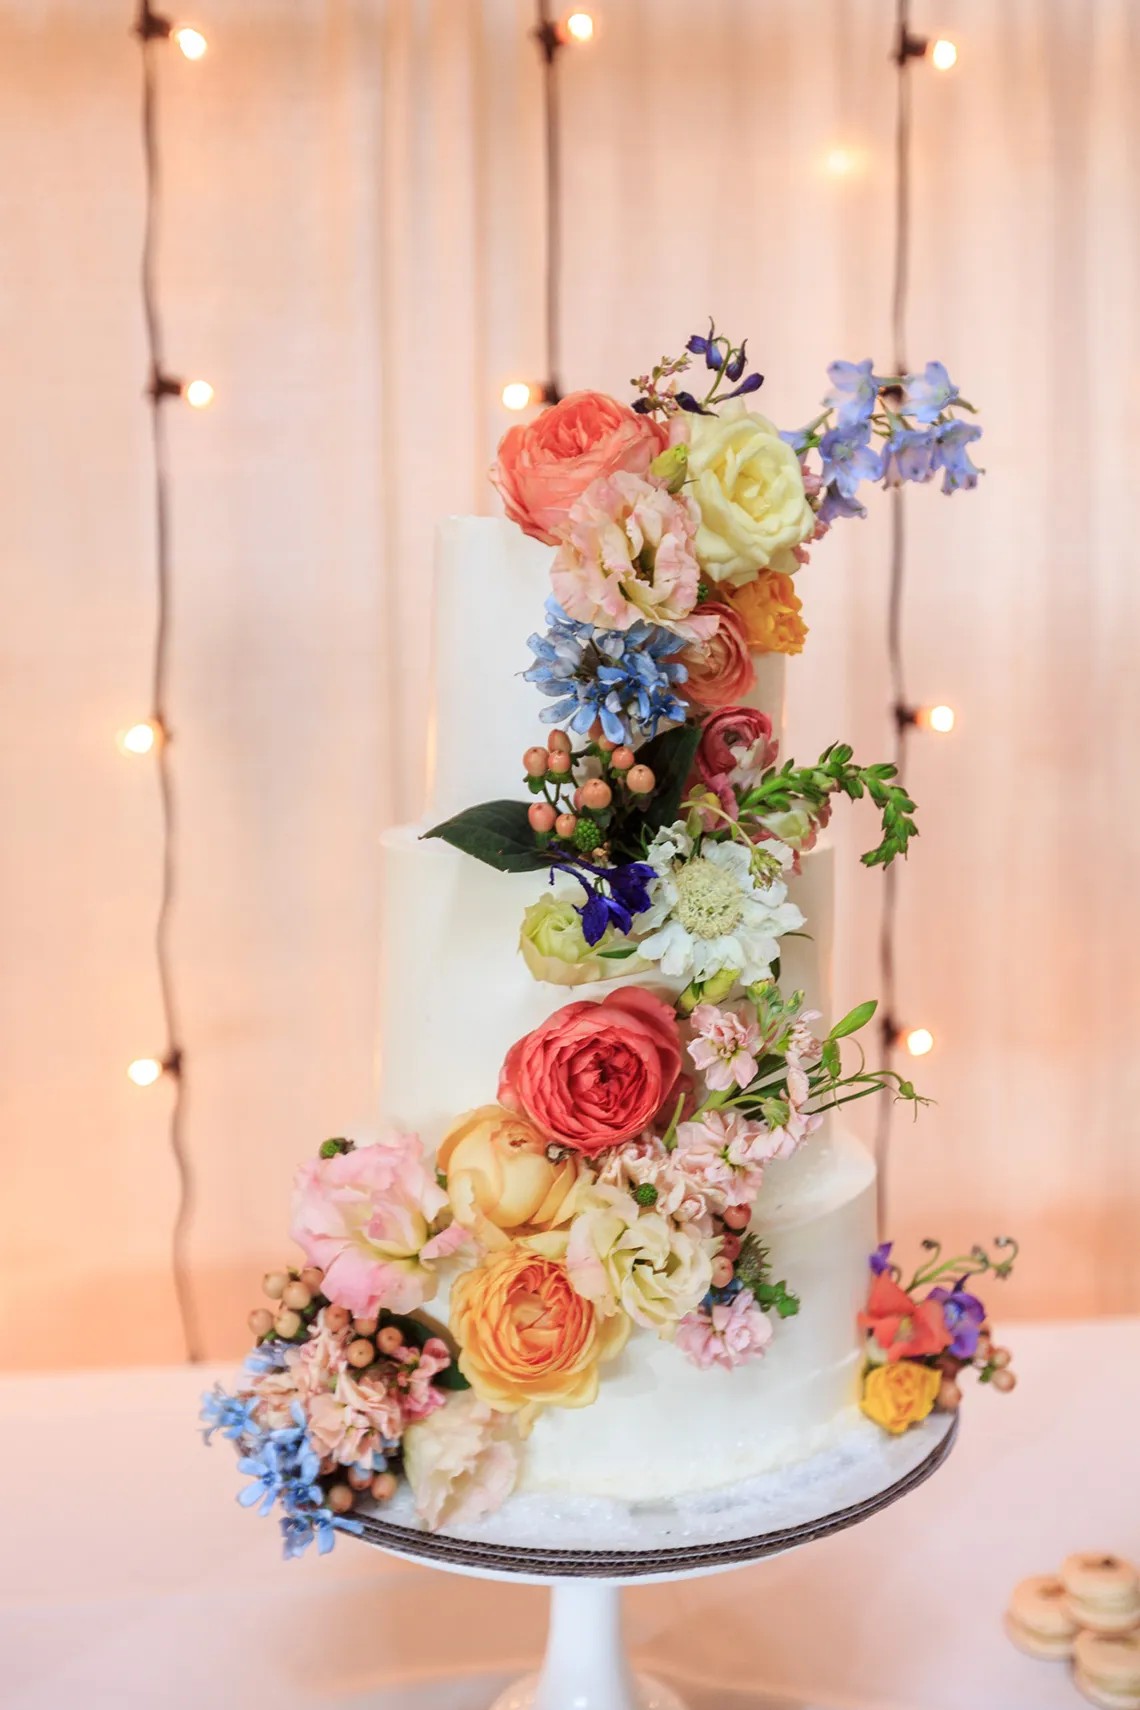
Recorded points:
900,1395
769,608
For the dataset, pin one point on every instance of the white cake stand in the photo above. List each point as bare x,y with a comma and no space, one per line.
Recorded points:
586,1666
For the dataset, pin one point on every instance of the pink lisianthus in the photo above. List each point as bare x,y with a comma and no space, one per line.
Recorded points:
628,556
726,1335
724,1047
726,1153
365,1217
462,1462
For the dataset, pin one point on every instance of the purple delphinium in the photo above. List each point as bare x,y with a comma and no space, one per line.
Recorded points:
613,894
855,391
908,455
848,459
964,1316
880,1259
834,504
929,393
950,454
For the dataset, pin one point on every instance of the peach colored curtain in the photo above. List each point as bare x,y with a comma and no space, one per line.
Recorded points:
352,256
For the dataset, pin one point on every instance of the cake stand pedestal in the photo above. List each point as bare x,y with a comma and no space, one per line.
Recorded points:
586,1665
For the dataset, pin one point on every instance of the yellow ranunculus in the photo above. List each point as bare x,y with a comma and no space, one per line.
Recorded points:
527,1339
555,950
770,609
499,1179
901,1395
750,489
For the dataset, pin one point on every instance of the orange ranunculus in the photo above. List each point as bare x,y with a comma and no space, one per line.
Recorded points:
499,1179
896,1397
526,1337
769,608
905,1328
720,670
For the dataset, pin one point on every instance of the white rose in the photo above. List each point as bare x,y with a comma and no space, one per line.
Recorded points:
750,489
628,1260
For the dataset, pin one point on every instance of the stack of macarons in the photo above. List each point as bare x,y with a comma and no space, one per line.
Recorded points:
1089,1613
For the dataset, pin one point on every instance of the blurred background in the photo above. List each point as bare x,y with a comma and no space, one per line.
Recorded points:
352,255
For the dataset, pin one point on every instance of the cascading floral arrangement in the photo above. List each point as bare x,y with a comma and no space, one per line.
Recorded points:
610,1188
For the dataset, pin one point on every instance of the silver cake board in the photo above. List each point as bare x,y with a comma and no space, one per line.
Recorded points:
586,1666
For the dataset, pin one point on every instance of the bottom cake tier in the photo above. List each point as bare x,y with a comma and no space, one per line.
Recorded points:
663,1428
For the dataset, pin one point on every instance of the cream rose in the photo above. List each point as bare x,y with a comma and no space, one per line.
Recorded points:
554,946
501,1183
750,490
628,1260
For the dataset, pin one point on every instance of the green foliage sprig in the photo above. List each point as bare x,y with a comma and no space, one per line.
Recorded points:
834,772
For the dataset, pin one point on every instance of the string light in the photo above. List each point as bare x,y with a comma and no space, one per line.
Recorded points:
192,42
940,719
843,162
919,1041
551,38
151,29
521,394
943,55
577,27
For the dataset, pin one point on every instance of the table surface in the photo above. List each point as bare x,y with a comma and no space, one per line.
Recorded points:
131,1578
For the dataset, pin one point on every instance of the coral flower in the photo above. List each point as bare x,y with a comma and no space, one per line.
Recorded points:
905,1328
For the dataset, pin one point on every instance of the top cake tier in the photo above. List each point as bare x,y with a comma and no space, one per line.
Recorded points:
491,584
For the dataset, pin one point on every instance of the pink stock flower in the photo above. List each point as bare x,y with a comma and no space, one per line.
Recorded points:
418,1394
628,556
645,1162
365,1217
726,1335
356,1419
726,1153
799,1125
725,1046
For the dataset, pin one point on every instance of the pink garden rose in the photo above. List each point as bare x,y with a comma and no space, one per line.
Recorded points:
595,1074
545,465
719,665
365,1217
726,1335
627,555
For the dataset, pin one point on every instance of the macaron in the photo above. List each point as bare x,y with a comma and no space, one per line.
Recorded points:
1103,1592
1038,1619
1106,1668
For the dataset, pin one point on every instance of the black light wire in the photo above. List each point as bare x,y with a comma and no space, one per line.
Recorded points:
152,30
551,44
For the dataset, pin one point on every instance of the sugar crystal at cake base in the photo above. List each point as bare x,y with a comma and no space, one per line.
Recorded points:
610,1268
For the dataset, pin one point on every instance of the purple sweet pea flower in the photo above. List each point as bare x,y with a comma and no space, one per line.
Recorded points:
854,392
848,459
929,393
964,1316
880,1259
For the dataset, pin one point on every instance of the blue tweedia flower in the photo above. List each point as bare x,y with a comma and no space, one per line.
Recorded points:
908,455
855,390
950,454
848,459
929,393
232,1415
267,1468
624,678
613,894
267,1357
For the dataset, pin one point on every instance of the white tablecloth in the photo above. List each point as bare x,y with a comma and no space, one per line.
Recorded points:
130,1577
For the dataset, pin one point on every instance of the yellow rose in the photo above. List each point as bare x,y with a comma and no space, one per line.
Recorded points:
636,1262
900,1395
555,950
526,1338
770,609
500,1181
750,489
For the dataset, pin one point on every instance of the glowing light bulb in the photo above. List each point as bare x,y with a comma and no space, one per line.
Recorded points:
579,27
139,738
943,55
192,42
919,1041
517,394
842,161
940,719
144,1071
199,394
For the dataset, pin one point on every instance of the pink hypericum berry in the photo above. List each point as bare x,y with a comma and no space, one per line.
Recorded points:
566,824
339,1498
312,1276
596,793
260,1321
288,1324
1004,1381
640,780
559,742
541,816
949,1395
297,1296
536,760
360,1353
384,1486
730,1248
561,762
737,1216
622,759
337,1318
274,1284
721,1271
389,1341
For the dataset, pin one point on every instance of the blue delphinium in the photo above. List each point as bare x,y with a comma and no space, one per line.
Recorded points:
625,679
613,894
908,455
930,393
854,394
950,441
849,459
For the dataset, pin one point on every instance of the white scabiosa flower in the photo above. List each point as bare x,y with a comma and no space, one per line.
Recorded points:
710,911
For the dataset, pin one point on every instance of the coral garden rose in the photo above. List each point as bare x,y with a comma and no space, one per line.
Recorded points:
499,1179
554,946
527,1338
628,1260
902,1327
720,669
769,609
462,1462
750,489
367,1217
595,1074
627,556
896,1397
543,466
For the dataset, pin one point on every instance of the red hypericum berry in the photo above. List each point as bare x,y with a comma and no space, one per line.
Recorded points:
596,793
541,816
566,824
640,780
536,761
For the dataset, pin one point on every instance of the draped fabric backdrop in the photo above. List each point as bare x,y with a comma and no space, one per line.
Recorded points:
352,254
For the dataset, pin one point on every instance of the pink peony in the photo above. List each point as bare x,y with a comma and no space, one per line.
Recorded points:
628,556
726,1335
595,1074
544,466
463,1462
719,665
726,1153
724,1047
365,1217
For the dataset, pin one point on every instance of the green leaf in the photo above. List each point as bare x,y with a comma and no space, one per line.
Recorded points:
670,757
619,955
854,1019
497,833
